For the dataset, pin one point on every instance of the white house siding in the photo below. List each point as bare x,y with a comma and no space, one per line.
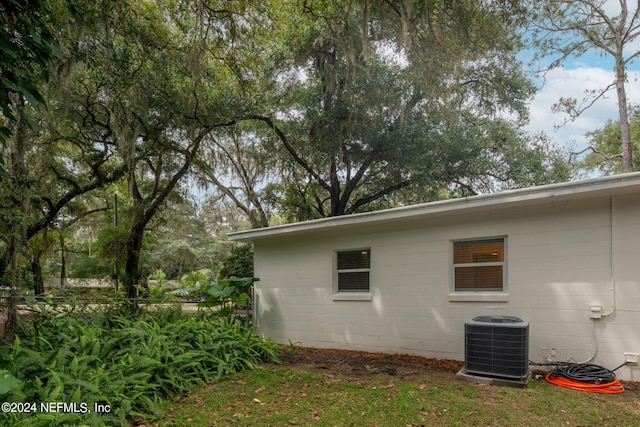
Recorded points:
561,259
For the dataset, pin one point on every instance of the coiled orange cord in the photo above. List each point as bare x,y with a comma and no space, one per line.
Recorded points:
609,387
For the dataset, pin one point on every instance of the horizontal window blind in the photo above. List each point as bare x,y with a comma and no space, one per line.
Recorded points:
349,260
353,282
479,265
478,251
479,278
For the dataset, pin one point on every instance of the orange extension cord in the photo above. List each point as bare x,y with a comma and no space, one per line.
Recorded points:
593,387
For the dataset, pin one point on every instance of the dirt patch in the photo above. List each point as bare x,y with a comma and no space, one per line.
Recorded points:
360,364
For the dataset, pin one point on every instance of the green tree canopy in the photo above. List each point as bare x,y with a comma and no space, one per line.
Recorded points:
303,109
155,78
604,150
372,99
29,43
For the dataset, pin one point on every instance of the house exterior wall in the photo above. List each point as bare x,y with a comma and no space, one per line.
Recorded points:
561,259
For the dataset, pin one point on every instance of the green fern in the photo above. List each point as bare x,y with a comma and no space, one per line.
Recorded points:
129,362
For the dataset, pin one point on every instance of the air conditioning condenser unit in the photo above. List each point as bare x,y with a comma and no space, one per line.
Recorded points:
497,346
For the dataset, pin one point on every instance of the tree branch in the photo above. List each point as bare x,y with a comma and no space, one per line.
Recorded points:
66,198
607,157
574,112
375,196
283,138
82,215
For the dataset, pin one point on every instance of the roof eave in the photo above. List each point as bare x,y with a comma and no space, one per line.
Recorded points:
597,187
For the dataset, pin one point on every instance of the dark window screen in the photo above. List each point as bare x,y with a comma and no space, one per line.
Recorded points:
353,270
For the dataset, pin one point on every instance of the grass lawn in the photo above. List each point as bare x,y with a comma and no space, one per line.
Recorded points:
311,388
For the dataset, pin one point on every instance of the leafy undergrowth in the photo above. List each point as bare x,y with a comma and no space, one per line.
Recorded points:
107,368
333,388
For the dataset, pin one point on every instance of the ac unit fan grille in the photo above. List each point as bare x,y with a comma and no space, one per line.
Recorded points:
497,349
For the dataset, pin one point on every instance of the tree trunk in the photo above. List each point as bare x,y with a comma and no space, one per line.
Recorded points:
11,324
63,262
625,131
19,226
334,193
11,278
38,280
132,265
4,263
144,210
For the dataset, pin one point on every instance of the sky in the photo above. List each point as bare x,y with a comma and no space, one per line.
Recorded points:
578,75
572,81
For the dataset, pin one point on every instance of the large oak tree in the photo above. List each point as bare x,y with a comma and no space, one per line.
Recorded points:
376,100
159,78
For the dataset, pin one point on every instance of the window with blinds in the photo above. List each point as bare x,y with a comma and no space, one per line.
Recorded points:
352,270
479,265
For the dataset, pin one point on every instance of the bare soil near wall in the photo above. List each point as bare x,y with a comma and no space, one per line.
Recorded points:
358,364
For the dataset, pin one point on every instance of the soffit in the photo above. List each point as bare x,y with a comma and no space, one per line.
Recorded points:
606,187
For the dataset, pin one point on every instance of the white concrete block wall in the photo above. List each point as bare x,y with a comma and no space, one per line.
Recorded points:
559,262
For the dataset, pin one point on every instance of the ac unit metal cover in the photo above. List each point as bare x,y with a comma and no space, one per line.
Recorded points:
497,346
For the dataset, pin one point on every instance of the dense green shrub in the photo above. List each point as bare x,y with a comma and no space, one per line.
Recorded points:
128,363
85,266
238,263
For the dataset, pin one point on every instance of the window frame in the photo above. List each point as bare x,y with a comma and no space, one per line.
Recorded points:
503,264
340,294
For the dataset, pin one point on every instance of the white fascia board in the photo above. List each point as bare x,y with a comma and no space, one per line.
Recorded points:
592,188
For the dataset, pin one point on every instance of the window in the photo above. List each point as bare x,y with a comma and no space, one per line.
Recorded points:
478,265
352,270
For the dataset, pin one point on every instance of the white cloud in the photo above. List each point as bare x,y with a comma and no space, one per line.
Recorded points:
575,83
591,71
